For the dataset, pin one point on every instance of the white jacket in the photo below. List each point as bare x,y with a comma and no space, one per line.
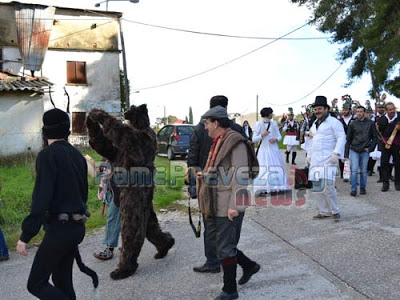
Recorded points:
329,138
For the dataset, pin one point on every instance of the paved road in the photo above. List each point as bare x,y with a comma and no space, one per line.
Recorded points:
357,258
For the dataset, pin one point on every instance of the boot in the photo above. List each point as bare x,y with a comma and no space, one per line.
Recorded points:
287,156
249,267
294,154
229,290
385,187
390,172
380,174
371,165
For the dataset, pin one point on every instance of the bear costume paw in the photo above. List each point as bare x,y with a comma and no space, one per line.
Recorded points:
123,273
164,251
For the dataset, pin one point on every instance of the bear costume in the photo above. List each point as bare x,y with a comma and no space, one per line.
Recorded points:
131,146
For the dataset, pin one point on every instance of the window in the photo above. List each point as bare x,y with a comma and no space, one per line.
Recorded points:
76,72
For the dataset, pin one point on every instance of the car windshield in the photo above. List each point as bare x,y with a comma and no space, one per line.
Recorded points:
184,130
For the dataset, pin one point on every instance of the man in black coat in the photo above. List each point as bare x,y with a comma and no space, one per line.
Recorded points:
386,125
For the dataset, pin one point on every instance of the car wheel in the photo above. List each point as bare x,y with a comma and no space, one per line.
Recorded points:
171,154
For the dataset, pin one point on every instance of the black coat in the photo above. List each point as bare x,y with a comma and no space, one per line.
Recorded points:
200,145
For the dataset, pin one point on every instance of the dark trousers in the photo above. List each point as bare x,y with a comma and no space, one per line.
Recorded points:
210,244
341,167
385,166
223,235
55,257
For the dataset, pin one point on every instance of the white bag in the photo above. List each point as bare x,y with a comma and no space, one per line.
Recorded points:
346,169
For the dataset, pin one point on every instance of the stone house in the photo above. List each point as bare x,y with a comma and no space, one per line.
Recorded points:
55,57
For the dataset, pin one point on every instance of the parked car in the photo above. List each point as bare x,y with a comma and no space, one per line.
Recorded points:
174,139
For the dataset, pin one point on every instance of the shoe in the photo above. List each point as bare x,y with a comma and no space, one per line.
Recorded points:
363,192
118,274
226,296
391,177
106,254
320,216
370,173
345,180
248,273
397,186
379,180
336,217
353,193
207,269
385,187
163,252
4,258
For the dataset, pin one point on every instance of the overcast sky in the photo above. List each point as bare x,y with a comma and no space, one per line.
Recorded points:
280,73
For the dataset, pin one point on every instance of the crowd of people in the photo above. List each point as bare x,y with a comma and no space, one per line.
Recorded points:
352,141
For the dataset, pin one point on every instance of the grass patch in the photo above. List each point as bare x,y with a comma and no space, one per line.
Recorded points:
17,174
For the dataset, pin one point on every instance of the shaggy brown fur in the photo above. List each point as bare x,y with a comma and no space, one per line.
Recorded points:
130,146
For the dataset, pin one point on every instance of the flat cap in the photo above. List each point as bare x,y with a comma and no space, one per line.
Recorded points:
217,112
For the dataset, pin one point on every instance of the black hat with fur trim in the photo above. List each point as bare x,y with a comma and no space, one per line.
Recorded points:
56,124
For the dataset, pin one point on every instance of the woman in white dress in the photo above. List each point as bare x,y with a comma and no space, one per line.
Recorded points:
272,176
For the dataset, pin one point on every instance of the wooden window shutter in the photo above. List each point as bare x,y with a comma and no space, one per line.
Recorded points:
81,72
76,72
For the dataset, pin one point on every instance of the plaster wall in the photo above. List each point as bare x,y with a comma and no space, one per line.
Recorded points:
20,123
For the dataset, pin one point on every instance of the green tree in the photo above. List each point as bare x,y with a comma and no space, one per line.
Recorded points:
369,31
169,120
190,115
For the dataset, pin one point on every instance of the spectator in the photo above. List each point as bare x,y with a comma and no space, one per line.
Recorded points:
361,140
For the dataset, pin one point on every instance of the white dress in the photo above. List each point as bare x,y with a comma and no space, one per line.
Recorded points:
290,138
272,176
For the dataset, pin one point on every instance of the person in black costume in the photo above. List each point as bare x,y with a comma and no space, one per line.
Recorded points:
58,201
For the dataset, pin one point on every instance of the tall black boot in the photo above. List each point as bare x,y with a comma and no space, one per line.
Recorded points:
287,156
385,178
229,290
380,174
249,267
294,154
391,172
371,165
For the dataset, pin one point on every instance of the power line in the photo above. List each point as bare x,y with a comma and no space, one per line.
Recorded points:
221,65
302,98
222,35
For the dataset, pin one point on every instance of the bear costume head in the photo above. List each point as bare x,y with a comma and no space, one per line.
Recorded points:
138,116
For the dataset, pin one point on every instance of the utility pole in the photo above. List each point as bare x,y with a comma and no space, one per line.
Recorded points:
126,85
257,108
165,117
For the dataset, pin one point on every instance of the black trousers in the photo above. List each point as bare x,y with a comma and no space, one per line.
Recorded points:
55,257
224,235
385,166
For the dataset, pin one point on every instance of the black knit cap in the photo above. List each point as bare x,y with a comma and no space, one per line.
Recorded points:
56,124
